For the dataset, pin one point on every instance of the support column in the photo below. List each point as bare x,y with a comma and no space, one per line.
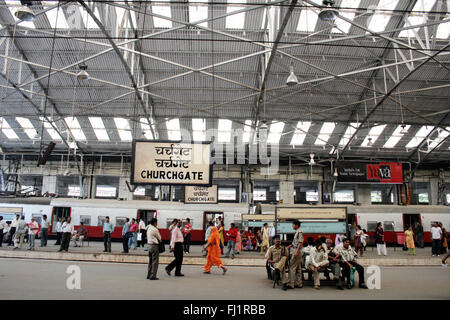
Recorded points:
363,194
49,184
319,192
287,192
124,193
433,191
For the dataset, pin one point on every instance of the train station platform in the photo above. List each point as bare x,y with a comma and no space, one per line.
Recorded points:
93,251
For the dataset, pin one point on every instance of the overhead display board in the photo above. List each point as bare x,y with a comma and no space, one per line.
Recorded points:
313,227
258,217
171,163
382,172
310,213
198,194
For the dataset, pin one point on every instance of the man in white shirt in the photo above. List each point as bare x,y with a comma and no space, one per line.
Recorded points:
58,229
436,236
143,231
21,230
272,233
153,238
45,224
3,226
12,230
67,235
317,260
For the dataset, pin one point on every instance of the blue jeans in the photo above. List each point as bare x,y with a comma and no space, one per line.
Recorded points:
133,241
31,238
231,245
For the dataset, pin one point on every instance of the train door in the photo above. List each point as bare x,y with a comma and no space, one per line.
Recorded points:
351,225
211,216
146,215
59,212
410,220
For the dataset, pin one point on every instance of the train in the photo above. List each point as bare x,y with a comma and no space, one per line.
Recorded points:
92,213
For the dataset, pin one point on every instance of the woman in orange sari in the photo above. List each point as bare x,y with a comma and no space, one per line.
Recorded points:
213,247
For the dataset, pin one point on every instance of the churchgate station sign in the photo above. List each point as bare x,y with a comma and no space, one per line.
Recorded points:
197,194
171,162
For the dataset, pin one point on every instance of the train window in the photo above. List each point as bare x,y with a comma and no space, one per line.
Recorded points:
388,225
86,220
37,217
120,221
100,221
169,222
371,226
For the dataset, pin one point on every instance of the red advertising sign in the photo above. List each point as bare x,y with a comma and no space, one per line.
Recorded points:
382,172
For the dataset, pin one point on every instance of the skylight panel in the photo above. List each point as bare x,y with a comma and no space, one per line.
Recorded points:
28,127
374,133
124,129
275,131
13,5
300,134
349,132
418,17
75,128
347,13
443,30
55,16
7,130
381,17
247,131
99,128
198,129
162,10
325,133
441,136
146,129
89,23
198,11
420,136
173,129
224,132
397,135
235,21
52,132
308,20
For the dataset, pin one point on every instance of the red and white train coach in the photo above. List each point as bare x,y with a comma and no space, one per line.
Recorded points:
93,212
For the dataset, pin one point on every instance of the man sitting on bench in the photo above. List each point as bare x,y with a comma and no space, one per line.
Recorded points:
277,256
334,263
316,261
348,261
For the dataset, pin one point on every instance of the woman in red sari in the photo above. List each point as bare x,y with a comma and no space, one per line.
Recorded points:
213,247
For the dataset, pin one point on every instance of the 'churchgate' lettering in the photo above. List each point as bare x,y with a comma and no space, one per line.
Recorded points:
171,175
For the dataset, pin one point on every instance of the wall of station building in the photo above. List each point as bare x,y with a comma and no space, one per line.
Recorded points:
236,183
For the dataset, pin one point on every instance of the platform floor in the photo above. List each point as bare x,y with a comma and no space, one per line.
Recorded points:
195,250
41,279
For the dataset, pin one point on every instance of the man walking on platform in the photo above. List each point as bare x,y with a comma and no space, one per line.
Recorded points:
176,243
108,229
45,224
12,230
20,233
295,267
187,235
125,235
3,226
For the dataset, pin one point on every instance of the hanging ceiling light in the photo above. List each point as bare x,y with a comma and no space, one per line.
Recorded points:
24,12
311,160
369,142
328,12
83,74
403,131
335,174
36,136
292,79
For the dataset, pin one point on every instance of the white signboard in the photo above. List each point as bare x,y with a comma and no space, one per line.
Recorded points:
197,194
169,162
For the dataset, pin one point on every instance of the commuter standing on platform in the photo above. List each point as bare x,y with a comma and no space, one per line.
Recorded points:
12,230
419,235
133,234
207,234
213,247
173,225
125,235
436,236
45,224
20,233
67,234
409,238
265,239
272,233
108,229
58,229
221,231
359,240
187,235
33,228
295,267
3,226
176,243
143,231
379,240
153,238
232,235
